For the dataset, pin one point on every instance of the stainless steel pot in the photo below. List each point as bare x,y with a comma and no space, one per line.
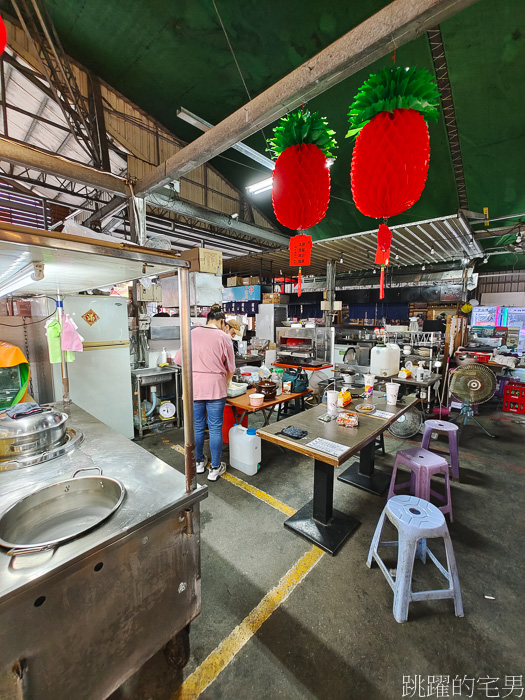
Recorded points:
30,434
60,512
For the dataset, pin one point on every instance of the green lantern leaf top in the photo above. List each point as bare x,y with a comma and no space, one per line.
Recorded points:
394,88
302,127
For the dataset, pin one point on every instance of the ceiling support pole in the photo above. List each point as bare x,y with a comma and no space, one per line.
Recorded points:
393,26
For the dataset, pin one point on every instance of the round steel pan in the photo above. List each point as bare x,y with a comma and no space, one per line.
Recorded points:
60,512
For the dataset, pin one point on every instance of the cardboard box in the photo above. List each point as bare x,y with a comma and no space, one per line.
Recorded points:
273,298
246,281
234,282
204,260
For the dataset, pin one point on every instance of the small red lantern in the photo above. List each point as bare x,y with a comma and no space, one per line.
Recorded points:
300,254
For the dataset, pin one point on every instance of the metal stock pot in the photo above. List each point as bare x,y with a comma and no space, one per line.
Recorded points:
60,512
30,434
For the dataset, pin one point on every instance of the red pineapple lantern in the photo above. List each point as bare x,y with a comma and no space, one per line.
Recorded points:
392,149
3,36
302,143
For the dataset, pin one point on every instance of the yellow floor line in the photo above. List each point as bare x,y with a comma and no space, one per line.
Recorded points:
261,495
220,657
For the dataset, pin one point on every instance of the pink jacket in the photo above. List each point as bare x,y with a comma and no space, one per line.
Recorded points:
212,358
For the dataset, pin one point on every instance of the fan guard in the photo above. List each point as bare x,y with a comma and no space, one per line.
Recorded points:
407,425
472,384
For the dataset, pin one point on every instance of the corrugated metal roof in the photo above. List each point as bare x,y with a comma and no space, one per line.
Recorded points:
440,240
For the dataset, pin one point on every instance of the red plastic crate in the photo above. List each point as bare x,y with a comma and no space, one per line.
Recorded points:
482,356
514,398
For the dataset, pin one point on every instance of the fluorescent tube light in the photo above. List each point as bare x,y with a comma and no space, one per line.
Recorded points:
261,186
30,273
203,125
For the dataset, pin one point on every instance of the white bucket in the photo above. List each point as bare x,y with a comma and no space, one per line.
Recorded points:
245,449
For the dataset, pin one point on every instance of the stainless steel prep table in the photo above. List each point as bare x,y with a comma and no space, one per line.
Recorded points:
150,376
77,621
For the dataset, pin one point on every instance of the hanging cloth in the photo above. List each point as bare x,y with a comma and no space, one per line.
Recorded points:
53,332
70,337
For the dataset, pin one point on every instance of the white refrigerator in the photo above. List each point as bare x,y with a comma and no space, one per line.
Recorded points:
100,377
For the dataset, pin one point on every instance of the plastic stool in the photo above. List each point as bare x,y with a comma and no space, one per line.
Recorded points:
416,521
451,431
423,465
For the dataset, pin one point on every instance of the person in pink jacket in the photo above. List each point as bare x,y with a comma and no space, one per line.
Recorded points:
213,365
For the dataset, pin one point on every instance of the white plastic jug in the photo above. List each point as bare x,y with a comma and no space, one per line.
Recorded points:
384,360
245,449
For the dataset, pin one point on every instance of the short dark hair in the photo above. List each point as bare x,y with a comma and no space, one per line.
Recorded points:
215,313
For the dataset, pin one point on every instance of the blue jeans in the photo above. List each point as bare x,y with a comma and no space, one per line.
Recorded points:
215,410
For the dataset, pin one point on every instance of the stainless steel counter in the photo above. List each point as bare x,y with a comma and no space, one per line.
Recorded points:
77,621
152,489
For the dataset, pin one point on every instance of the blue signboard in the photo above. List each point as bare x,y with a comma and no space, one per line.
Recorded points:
248,293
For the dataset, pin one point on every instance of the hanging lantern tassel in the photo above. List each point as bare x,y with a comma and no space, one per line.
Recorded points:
384,239
299,283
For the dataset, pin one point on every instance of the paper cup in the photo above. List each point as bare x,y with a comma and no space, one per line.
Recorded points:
369,385
392,390
331,402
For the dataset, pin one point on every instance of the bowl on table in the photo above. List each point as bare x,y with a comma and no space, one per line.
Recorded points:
256,400
267,389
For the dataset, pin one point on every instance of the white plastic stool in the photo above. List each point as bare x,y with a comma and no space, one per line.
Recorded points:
416,521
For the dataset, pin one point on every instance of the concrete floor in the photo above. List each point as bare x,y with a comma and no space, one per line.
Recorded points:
335,636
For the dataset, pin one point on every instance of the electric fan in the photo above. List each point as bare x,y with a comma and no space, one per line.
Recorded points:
407,425
159,242
472,385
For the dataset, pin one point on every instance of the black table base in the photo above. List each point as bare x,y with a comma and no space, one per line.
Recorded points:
362,474
317,521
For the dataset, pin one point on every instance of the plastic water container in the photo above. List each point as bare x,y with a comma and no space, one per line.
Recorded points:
385,360
245,449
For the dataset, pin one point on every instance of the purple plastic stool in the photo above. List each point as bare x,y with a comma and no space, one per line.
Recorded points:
451,431
423,465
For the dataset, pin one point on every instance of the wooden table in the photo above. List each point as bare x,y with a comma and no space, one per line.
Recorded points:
308,368
317,521
241,404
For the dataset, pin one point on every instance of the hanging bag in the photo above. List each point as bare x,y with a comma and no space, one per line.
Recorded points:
298,378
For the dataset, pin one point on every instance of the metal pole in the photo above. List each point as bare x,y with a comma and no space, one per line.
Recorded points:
4,98
330,292
187,381
65,378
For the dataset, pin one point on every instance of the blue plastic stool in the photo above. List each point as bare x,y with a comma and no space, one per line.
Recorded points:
416,521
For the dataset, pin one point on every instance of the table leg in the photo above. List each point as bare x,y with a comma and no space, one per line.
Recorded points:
267,413
362,474
139,399
317,521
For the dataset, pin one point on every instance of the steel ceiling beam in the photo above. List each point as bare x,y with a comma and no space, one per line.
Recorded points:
76,108
391,27
30,157
447,103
